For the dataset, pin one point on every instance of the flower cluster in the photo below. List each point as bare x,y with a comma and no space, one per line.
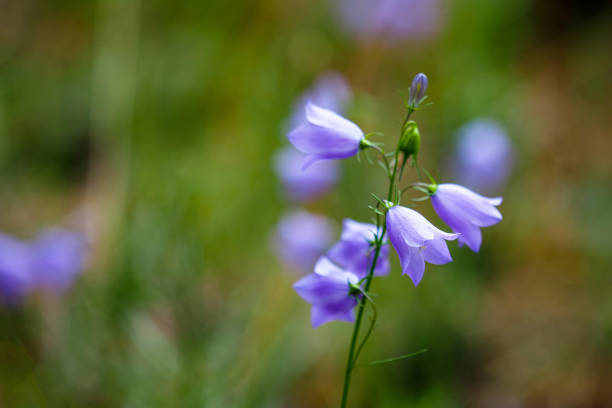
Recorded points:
342,276
50,263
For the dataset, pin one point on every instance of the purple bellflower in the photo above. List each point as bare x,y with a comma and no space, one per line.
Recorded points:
15,277
329,289
355,250
326,135
389,20
304,184
58,256
465,212
330,91
416,241
301,238
484,155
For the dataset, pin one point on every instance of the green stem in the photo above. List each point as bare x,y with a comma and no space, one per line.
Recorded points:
351,361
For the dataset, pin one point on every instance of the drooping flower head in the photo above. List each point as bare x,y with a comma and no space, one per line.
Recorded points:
58,257
301,238
465,212
389,20
330,91
329,292
416,241
355,250
325,135
304,184
15,277
484,155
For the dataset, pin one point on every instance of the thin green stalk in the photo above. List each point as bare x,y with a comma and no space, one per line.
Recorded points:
350,364
392,359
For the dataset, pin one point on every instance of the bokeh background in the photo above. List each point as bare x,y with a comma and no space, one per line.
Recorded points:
150,127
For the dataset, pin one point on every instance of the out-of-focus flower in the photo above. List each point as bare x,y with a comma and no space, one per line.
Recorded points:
484,155
465,212
329,292
354,252
416,241
301,238
389,20
326,135
15,277
58,257
330,91
304,184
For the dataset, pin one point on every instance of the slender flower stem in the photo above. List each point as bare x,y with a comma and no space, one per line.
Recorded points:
351,361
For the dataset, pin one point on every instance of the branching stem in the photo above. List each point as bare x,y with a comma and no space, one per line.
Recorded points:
353,349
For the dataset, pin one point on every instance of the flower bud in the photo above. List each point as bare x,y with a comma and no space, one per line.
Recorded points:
410,141
418,89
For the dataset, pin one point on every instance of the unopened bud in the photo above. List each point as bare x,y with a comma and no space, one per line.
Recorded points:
410,141
418,89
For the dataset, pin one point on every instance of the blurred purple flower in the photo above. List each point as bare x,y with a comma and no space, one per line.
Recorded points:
15,278
328,290
484,155
301,238
354,252
465,212
304,184
416,241
58,257
326,135
330,91
389,20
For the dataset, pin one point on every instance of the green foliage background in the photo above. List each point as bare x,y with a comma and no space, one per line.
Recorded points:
153,124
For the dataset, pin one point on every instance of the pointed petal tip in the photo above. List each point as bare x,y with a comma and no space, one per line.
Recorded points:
474,246
495,201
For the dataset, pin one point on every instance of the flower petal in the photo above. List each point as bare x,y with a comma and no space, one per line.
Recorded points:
324,142
342,310
408,226
474,208
315,289
436,252
329,119
471,236
413,265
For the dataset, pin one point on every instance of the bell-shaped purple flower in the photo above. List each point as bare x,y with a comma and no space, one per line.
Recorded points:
325,135
15,277
355,250
484,155
416,241
465,212
330,91
329,292
301,238
58,257
304,184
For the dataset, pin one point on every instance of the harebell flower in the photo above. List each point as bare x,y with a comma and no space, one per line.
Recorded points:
339,287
